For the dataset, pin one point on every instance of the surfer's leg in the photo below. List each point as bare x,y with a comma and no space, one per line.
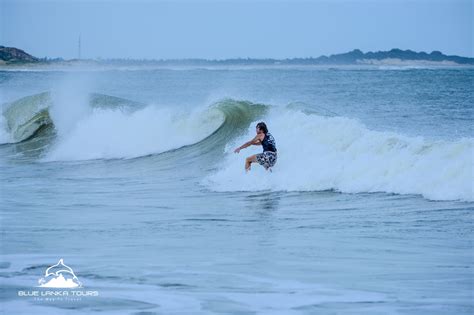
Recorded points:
261,159
249,161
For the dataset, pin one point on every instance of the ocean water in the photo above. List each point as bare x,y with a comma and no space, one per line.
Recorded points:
129,176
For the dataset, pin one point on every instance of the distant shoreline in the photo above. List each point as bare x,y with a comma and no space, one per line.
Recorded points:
14,58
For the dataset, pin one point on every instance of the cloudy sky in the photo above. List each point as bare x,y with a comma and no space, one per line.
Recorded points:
227,29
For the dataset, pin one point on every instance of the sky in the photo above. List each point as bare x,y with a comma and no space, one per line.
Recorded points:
234,29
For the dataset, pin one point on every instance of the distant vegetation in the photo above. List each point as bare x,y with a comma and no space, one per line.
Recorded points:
10,55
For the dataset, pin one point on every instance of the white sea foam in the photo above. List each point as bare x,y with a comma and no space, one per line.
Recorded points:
318,153
108,133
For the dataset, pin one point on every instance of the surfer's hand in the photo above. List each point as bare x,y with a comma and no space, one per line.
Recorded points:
237,150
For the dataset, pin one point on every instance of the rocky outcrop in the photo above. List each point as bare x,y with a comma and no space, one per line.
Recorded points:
15,55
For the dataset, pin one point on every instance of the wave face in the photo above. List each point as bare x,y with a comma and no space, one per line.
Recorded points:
317,153
24,117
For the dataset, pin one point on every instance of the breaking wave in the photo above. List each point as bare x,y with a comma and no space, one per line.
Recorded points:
317,153
106,127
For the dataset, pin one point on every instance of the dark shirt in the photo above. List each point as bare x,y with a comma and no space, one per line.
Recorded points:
268,143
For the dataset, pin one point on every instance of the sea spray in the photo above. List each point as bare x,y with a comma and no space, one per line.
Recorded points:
70,104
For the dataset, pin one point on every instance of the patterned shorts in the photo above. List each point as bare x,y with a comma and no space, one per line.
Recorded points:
267,159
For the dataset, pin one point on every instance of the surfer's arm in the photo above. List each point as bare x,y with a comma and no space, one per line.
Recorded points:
254,141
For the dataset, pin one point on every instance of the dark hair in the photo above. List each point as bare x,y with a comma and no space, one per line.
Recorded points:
261,125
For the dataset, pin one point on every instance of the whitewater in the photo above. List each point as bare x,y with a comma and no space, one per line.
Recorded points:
111,169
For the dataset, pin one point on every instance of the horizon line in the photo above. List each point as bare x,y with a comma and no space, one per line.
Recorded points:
351,53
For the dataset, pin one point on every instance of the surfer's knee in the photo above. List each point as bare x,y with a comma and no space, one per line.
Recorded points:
250,159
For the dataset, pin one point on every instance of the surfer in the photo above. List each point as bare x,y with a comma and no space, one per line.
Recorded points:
269,156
